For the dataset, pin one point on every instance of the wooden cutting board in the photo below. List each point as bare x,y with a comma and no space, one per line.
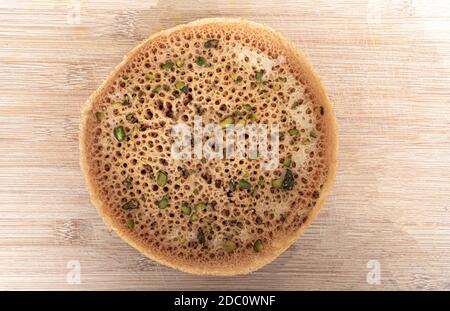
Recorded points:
386,65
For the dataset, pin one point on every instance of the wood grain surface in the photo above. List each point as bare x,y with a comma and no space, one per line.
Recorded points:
386,65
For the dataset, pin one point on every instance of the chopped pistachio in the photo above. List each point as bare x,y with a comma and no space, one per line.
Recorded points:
130,223
254,191
126,101
117,104
132,204
167,65
179,85
261,182
239,114
99,116
131,118
226,122
247,107
185,209
194,216
258,246
201,61
281,134
164,202
196,191
294,132
259,75
241,122
161,180
203,160
297,103
127,183
213,43
244,184
119,133
149,77
179,63
288,180
185,89
156,89
306,141
200,207
287,162
313,134
253,117
277,183
229,246
125,77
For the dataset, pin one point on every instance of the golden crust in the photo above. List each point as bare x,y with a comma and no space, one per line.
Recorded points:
316,87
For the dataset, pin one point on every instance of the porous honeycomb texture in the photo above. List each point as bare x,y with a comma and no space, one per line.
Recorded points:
211,219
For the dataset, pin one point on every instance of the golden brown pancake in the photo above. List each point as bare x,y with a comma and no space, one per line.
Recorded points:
200,215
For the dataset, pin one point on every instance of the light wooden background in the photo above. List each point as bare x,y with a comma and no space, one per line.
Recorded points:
386,65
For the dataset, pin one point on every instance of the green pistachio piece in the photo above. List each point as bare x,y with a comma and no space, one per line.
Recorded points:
306,141
179,85
287,162
149,77
127,183
161,179
119,133
201,207
288,180
156,89
164,202
297,103
185,209
132,204
99,116
201,61
229,246
294,132
259,75
213,43
241,122
244,184
194,216
277,183
226,122
167,65
185,89
247,107
130,223
258,246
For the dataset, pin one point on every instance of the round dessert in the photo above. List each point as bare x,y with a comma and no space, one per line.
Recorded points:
210,213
